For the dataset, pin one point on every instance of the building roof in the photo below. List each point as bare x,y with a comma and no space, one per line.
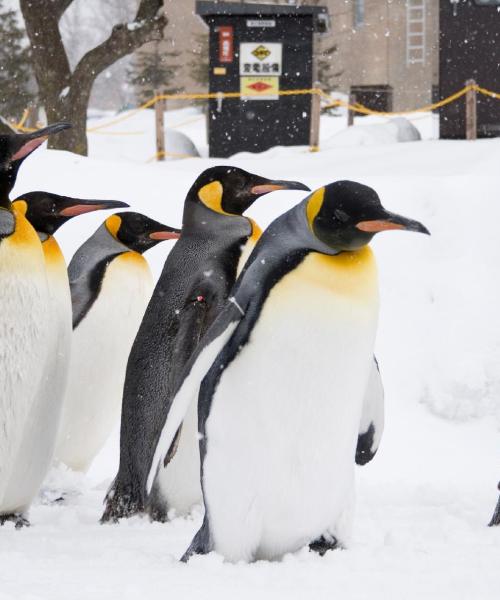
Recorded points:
206,8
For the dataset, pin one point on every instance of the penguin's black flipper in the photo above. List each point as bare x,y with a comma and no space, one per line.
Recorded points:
201,543
495,519
372,417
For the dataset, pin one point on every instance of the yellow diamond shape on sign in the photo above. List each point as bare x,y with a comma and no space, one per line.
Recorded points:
261,52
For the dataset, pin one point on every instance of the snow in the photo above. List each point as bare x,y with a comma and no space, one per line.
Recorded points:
423,503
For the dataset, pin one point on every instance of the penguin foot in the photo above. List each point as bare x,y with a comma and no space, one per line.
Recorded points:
322,545
495,519
120,507
19,520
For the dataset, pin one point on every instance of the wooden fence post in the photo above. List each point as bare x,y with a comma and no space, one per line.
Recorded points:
350,113
315,118
160,128
471,111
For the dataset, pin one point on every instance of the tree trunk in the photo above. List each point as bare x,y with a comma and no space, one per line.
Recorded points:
65,94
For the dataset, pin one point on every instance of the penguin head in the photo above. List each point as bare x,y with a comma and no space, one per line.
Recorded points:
345,216
14,148
138,232
231,191
47,212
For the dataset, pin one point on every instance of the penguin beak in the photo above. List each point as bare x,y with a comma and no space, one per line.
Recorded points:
31,141
273,186
391,221
166,234
75,207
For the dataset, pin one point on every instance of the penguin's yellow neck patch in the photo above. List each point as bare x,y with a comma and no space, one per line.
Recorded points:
256,231
24,232
347,273
52,252
314,205
113,224
211,196
21,207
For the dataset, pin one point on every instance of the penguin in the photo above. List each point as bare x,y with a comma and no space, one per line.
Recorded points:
281,378
216,239
47,212
110,284
24,312
495,519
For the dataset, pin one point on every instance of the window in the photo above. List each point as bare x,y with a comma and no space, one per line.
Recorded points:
359,13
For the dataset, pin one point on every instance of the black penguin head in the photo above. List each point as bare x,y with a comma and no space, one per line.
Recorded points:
231,191
345,215
47,212
14,148
138,232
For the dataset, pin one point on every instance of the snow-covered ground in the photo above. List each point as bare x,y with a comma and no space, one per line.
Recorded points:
423,503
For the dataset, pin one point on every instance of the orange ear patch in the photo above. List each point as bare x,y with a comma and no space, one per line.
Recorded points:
376,226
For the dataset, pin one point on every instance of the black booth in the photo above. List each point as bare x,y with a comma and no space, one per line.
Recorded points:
260,50
469,40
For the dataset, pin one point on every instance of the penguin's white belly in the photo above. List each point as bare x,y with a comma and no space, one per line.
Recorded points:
39,435
282,431
180,481
24,320
100,350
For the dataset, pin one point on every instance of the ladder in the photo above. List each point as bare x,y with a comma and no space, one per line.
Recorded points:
415,32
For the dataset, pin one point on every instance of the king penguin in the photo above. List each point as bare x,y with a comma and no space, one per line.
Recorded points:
24,312
216,239
47,212
282,375
111,284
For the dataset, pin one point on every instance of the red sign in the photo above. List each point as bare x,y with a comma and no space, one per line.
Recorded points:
226,52
260,86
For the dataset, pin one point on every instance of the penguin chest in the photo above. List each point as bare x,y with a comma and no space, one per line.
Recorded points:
283,425
100,348
39,434
24,309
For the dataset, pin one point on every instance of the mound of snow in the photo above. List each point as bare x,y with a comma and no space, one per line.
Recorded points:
179,145
391,132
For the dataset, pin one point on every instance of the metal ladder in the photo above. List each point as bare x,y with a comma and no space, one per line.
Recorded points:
415,32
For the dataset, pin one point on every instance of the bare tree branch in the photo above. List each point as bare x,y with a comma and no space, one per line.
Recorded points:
123,40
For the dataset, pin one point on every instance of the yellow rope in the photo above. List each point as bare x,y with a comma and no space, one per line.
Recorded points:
359,108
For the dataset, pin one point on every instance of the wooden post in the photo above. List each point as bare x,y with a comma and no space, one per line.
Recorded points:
315,117
160,128
471,112
315,100
350,113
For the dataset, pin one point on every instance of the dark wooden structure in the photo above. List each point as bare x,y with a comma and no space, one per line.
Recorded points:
469,40
260,50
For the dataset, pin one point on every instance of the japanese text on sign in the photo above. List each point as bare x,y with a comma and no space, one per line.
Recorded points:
260,58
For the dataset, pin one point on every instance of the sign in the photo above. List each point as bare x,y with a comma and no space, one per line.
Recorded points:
260,58
261,23
259,88
226,51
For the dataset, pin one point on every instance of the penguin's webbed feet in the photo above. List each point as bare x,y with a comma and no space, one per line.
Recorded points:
19,520
322,545
120,506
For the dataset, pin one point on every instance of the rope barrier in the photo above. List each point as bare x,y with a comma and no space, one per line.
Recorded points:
331,103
